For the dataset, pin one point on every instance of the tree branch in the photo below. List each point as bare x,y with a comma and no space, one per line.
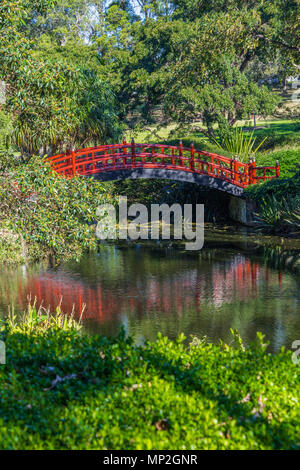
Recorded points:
278,43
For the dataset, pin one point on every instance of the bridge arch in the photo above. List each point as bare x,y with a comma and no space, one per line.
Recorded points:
208,181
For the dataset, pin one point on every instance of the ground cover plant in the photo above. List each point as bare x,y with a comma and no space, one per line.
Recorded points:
63,389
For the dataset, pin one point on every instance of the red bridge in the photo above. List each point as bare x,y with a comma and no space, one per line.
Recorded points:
132,160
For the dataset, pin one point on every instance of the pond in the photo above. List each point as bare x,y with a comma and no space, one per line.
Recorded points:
154,287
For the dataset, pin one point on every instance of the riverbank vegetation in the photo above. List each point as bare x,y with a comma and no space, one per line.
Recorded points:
63,389
53,216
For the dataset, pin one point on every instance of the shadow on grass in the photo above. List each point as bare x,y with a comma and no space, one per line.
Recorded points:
189,381
34,399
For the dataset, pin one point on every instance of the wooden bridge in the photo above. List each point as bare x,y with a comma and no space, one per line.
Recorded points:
133,160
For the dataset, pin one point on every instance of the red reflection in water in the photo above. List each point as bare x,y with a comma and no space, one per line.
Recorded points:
237,280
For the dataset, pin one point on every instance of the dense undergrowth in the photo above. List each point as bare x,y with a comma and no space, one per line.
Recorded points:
54,216
278,205
63,389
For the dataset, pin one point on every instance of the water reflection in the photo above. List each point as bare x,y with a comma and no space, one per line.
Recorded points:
151,290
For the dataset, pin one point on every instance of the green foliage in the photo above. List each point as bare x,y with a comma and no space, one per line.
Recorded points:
171,62
167,63
7,158
240,144
280,188
279,216
12,247
54,103
5,130
63,389
289,161
53,214
292,219
40,320
278,200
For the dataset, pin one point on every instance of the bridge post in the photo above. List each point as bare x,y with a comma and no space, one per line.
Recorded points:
73,163
236,169
153,155
125,151
192,162
254,171
277,169
132,153
181,153
93,160
69,161
250,171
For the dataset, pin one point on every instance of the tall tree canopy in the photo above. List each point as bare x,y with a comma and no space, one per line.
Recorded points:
69,64
55,103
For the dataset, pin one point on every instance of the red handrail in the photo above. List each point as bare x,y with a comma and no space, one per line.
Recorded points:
112,157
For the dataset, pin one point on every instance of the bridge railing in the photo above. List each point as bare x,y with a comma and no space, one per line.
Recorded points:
113,157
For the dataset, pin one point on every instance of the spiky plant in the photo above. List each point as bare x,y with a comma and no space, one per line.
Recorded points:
278,216
241,144
293,221
41,319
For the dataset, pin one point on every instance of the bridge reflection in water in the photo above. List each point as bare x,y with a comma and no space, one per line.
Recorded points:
179,293
170,293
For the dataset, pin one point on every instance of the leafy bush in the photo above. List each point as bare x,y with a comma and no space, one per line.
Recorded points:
279,188
63,389
5,129
279,202
280,215
14,244
53,214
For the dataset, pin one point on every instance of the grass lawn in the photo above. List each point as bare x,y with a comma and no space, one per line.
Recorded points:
63,389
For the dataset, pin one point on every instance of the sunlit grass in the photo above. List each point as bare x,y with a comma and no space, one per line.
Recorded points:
39,319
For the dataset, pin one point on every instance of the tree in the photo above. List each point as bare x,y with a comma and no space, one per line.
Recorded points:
191,60
51,102
195,59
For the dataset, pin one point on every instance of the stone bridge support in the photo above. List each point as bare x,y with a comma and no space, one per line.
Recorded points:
242,210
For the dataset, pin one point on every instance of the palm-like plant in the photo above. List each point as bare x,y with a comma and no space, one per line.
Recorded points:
240,144
277,216
293,221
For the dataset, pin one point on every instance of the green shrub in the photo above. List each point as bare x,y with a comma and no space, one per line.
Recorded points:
63,389
279,216
54,215
13,244
241,144
5,129
279,188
